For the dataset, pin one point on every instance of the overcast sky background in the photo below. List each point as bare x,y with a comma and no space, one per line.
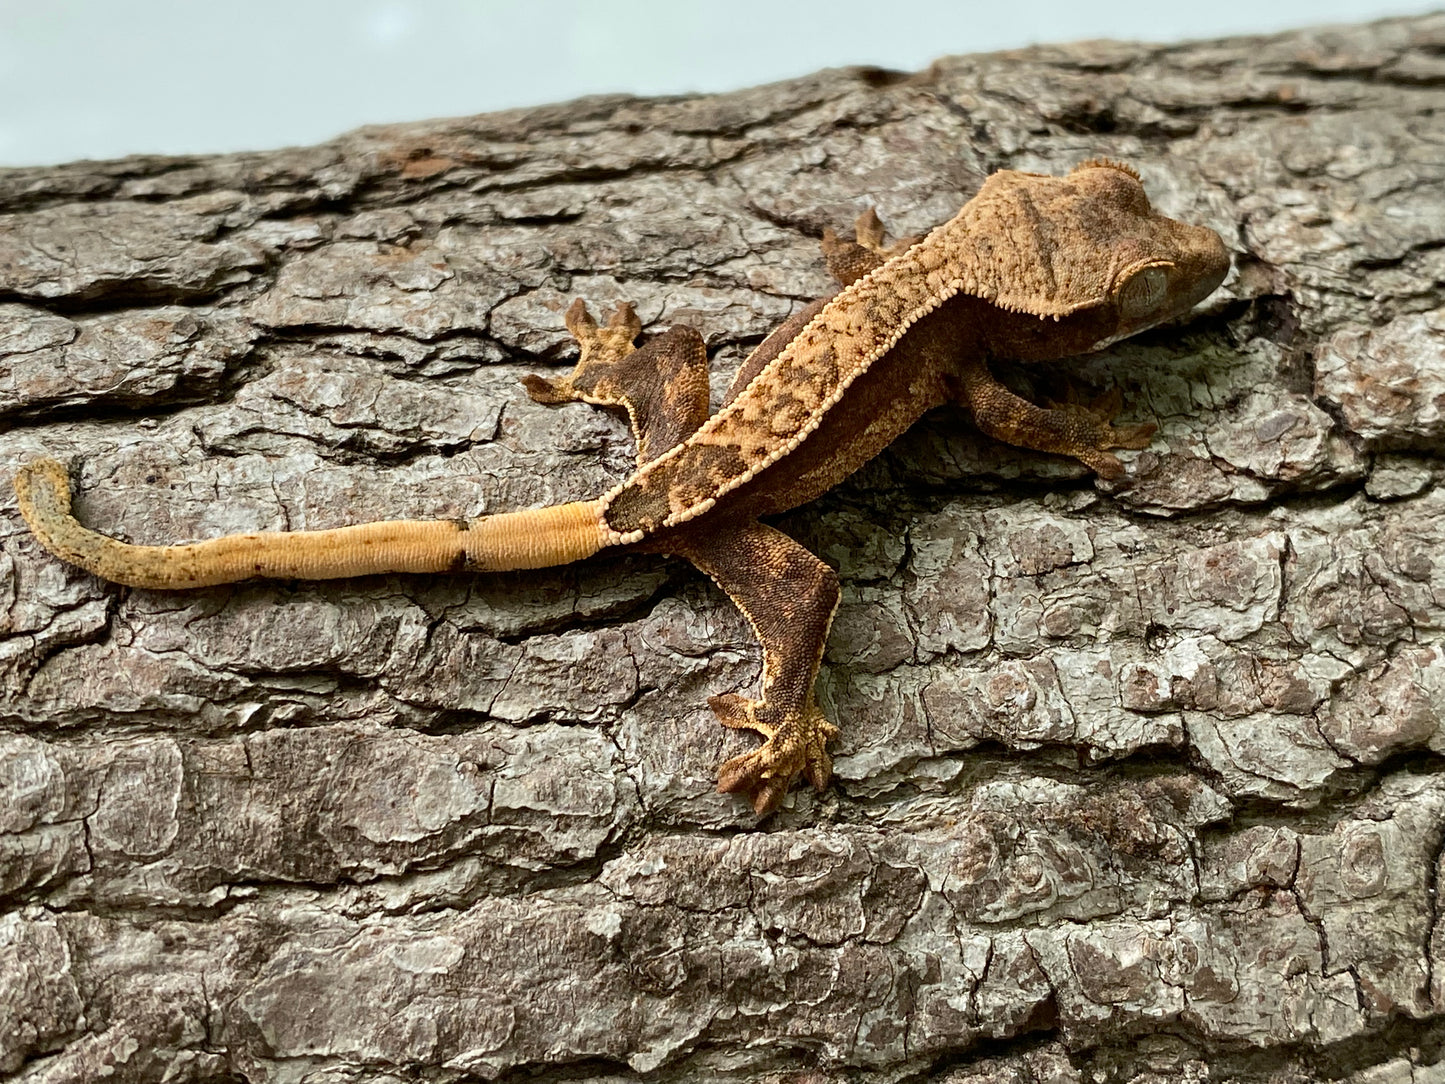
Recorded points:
104,78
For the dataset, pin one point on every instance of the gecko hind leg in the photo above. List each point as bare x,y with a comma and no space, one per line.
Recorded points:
1085,432
788,596
662,384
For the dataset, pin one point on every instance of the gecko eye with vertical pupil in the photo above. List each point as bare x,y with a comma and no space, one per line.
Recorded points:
1143,291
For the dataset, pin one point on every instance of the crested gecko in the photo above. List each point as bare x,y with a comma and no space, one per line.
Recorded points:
1032,268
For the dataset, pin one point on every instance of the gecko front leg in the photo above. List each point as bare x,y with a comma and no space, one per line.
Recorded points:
1085,433
662,384
789,597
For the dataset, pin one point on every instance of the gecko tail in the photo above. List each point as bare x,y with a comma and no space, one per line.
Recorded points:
537,538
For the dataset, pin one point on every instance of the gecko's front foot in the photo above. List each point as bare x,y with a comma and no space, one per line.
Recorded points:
797,744
1095,420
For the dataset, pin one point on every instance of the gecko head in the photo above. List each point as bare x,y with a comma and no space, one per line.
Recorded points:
1160,267
1087,249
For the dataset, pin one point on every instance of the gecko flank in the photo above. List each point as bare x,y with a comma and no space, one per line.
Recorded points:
1032,268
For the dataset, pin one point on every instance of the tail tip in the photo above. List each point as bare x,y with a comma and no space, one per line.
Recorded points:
43,487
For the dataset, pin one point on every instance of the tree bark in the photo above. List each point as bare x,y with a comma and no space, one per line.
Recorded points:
1138,783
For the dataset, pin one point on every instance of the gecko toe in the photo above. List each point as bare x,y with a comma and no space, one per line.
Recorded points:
578,320
624,319
1133,437
542,390
798,746
1105,464
868,229
602,344
740,713
761,777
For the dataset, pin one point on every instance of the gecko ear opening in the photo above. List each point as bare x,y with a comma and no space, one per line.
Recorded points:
1142,289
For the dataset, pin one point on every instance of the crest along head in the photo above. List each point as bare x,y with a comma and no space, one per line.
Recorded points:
1107,163
1160,268
1087,249
1056,246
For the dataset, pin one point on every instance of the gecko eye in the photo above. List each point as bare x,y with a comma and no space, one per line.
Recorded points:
1143,291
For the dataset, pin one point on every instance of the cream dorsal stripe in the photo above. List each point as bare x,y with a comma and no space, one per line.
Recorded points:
978,252
912,284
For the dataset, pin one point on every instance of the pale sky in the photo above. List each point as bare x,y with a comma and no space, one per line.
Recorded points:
104,78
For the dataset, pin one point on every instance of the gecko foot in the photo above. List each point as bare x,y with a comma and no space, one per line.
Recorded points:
797,744
1105,408
1094,433
601,346
869,231
614,339
849,261
662,384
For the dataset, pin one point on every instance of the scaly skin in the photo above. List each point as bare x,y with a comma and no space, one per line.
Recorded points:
1033,268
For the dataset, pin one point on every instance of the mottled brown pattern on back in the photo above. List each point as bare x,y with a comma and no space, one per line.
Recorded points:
785,401
1032,268
1027,243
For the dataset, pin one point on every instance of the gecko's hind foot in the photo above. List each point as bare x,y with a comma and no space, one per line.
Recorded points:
611,340
869,232
662,384
849,261
601,346
797,744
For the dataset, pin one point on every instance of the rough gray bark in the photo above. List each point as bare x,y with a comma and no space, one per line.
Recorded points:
1140,785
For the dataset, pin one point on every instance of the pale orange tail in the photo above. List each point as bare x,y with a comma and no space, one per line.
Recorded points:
536,538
